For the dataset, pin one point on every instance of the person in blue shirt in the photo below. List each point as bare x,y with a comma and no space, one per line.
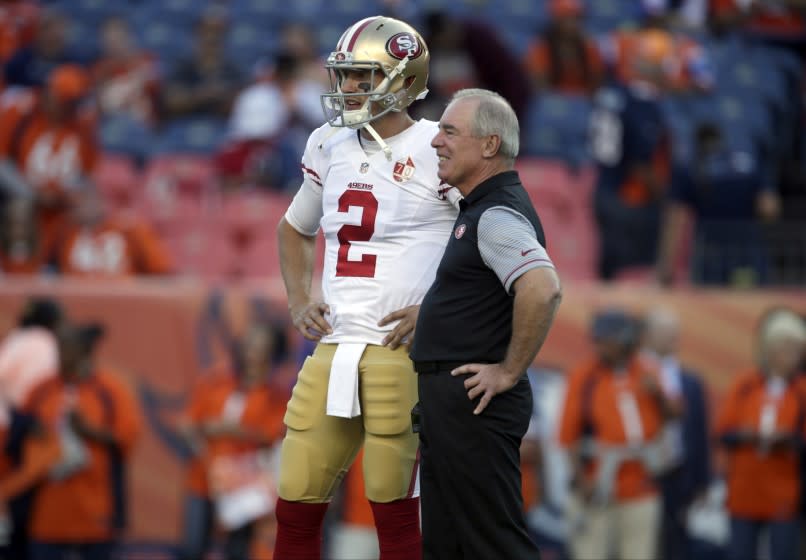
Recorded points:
725,191
631,148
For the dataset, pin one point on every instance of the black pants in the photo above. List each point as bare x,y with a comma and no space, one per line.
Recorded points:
470,477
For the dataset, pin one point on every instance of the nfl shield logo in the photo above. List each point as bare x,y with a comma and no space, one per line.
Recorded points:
403,170
459,231
364,167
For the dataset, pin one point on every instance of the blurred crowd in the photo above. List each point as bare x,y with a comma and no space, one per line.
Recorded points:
68,424
637,460
689,112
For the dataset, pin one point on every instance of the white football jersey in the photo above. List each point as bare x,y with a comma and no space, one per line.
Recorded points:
386,224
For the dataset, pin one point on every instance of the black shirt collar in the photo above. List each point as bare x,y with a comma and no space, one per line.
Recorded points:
487,186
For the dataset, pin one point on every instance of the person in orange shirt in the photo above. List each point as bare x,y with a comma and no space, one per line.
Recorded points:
47,142
80,509
96,244
228,415
565,59
762,427
783,21
611,423
28,356
17,25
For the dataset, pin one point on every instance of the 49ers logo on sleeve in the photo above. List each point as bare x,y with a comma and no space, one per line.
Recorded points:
404,45
404,170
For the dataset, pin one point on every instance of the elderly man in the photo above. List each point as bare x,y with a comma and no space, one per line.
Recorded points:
480,326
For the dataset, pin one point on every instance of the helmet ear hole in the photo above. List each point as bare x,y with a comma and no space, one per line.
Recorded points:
410,80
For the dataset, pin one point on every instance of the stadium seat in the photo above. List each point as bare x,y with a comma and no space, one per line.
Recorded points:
176,189
120,134
557,127
170,42
605,16
117,179
563,203
202,135
248,42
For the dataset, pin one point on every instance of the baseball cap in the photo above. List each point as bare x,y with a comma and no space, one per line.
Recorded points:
613,324
41,312
68,82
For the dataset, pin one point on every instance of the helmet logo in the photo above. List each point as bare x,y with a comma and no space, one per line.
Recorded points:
340,57
404,45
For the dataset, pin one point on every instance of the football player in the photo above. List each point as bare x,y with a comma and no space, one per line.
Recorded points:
370,182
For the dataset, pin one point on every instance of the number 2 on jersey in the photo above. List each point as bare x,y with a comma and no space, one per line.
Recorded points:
365,268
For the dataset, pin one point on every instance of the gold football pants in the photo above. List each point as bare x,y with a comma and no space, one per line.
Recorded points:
318,449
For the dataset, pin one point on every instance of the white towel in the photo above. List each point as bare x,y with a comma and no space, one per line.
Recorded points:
342,389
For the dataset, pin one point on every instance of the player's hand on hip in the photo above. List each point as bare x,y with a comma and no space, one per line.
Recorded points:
404,330
309,319
487,381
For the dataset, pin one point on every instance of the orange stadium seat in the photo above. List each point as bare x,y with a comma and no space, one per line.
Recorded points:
117,179
563,201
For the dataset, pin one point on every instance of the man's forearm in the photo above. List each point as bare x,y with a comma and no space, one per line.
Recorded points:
296,262
537,297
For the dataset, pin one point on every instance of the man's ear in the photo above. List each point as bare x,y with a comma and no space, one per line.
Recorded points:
491,146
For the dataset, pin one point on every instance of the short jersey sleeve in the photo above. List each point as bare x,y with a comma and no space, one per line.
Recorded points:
305,212
508,244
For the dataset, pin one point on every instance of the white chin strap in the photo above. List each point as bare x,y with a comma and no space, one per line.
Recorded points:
377,137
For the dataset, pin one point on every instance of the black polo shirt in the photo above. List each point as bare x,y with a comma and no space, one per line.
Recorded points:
467,313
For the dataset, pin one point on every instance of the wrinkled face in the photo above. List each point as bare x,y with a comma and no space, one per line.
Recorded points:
459,151
784,356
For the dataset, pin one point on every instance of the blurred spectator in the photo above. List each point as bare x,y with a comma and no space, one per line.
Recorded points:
354,536
467,54
782,22
688,481
17,26
96,244
266,119
565,59
725,191
47,143
22,249
684,62
299,40
632,151
80,510
544,459
32,65
206,83
233,416
126,77
688,14
762,428
612,420
28,356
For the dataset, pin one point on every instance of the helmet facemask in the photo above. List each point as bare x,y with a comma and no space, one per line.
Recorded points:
334,103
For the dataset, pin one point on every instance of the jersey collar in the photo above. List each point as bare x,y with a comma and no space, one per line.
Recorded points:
487,186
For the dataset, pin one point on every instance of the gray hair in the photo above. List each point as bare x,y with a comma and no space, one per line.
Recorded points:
494,116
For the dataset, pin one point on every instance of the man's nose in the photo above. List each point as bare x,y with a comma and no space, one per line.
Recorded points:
436,142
